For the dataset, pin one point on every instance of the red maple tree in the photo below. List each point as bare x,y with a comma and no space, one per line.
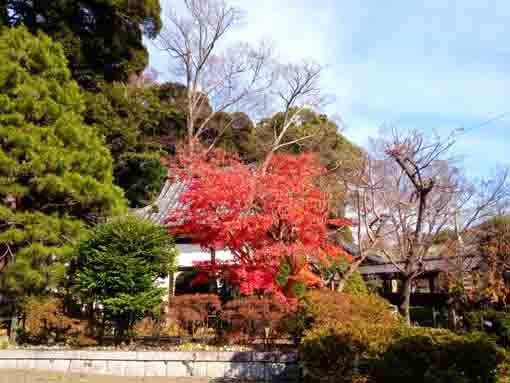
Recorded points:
265,218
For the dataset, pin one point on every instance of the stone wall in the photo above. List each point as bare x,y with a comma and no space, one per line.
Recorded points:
257,365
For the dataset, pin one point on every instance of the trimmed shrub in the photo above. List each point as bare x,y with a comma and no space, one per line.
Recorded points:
350,331
439,356
331,308
343,354
494,323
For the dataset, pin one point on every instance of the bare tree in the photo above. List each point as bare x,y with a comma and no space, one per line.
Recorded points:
296,89
369,218
217,80
422,192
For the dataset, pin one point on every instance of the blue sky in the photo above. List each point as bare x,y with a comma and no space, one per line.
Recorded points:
433,65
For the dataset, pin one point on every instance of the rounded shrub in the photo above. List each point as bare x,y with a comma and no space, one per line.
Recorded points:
438,356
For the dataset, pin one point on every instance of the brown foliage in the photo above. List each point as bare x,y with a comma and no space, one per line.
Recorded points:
192,311
250,316
46,322
331,308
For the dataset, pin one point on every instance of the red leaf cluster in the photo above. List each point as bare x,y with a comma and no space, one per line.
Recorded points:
265,218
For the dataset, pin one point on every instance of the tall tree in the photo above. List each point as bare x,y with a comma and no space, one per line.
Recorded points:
421,192
296,90
491,241
102,39
216,80
313,132
130,115
55,172
268,219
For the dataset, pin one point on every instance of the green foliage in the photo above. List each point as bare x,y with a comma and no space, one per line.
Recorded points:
141,175
283,278
356,285
323,309
333,148
348,332
492,322
102,39
371,351
137,124
336,354
439,356
118,266
55,172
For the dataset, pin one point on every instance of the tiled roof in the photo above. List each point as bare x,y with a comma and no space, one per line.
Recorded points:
167,200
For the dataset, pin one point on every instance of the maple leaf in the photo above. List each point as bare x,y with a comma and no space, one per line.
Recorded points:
266,219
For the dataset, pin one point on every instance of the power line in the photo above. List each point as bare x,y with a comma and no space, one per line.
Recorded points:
486,122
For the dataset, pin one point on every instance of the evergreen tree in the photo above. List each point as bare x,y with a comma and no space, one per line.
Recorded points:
55,172
118,266
102,39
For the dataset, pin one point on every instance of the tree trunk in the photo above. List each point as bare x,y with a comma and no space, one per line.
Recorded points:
347,274
190,126
267,161
13,329
406,299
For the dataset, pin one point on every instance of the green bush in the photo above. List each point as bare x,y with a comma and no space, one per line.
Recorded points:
357,339
117,267
498,325
355,285
349,332
439,356
343,354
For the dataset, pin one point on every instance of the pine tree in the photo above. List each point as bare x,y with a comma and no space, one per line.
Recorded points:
55,171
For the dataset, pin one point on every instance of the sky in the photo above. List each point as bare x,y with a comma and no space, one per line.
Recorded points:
433,65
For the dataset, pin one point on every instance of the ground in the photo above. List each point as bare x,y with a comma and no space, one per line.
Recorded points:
19,376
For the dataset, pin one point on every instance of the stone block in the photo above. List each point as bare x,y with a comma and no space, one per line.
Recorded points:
200,368
25,364
179,368
7,363
42,364
98,367
77,366
206,356
116,367
59,365
216,369
154,368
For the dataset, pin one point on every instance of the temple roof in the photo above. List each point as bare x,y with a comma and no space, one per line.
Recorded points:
168,199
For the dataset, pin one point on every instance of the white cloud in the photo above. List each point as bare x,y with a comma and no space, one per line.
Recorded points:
443,63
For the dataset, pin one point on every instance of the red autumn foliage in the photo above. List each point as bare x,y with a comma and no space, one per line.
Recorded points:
265,218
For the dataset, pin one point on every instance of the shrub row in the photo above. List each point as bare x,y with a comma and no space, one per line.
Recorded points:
356,342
